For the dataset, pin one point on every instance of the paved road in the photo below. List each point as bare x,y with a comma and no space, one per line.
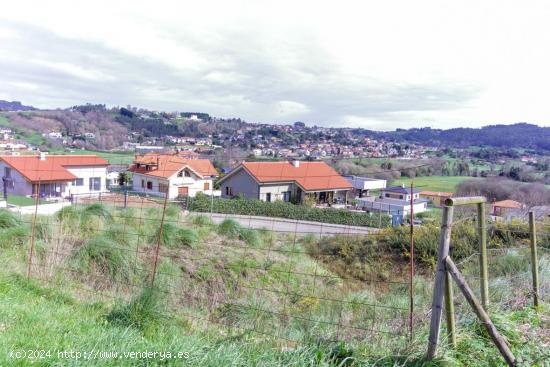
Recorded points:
290,226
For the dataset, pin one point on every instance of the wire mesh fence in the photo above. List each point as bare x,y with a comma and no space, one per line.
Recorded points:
278,276
229,276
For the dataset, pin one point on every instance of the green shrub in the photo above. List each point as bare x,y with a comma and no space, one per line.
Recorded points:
43,229
98,210
102,254
144,312
8,219
119,234
172,211
202,221
167,235
187,237
173,236
14,236
229,228
251,237
280,209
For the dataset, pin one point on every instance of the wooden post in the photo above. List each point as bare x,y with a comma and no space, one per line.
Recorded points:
483,268
499,341
450,311
534,258
439,285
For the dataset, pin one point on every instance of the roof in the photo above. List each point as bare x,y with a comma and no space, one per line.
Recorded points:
166,165
311,176
508,204
53,167
437,193
400,189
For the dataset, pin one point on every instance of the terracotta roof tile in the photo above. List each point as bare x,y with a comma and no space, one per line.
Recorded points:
165,165
508,204
52,168
311,176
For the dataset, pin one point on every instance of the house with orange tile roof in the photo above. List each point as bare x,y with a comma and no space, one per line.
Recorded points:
290,181
53,176
504,207
158,174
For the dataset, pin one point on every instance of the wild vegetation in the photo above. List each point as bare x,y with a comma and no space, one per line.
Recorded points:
231,295
493,189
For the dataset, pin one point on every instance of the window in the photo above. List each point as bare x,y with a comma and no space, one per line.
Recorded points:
286,196
207,186
7,172
163,188
228,191
143,183
184,172
78,182
268,197
400,196
387,195
95,183
149,185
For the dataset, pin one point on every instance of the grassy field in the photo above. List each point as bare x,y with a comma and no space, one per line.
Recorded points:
111,157
21,200
210,301
435,183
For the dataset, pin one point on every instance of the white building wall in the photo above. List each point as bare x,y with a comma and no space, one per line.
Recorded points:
86,172
277,191
194,185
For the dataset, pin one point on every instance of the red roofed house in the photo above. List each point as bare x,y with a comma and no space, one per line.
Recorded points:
504,207
156,174
287,181
56,175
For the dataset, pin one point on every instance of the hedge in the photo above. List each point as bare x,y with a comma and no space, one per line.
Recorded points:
280,209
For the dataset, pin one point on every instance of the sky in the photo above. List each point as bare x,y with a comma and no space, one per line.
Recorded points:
374,64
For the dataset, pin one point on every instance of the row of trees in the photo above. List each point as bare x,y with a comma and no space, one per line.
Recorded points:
495,188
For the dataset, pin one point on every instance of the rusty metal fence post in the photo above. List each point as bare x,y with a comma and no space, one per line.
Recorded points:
33,230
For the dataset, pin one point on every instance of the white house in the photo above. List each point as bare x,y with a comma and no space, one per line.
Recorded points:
363,185
54,176
157,174
395,200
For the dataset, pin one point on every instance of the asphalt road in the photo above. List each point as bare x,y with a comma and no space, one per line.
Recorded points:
290,226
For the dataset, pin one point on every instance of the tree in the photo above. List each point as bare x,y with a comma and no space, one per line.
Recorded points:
123,178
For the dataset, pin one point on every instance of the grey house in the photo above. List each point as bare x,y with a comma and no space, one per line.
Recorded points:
287,181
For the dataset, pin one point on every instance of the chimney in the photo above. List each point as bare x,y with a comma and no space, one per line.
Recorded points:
296,163
42,156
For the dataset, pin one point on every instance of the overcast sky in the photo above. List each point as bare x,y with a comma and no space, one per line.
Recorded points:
373,64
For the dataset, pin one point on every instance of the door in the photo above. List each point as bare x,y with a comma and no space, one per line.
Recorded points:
183,191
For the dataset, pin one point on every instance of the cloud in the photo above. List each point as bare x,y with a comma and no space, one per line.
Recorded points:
264,63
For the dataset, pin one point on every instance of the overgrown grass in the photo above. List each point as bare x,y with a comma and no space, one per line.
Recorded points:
146,312
103,256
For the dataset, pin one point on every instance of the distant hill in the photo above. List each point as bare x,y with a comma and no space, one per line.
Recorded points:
14,106
112,126
520,135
